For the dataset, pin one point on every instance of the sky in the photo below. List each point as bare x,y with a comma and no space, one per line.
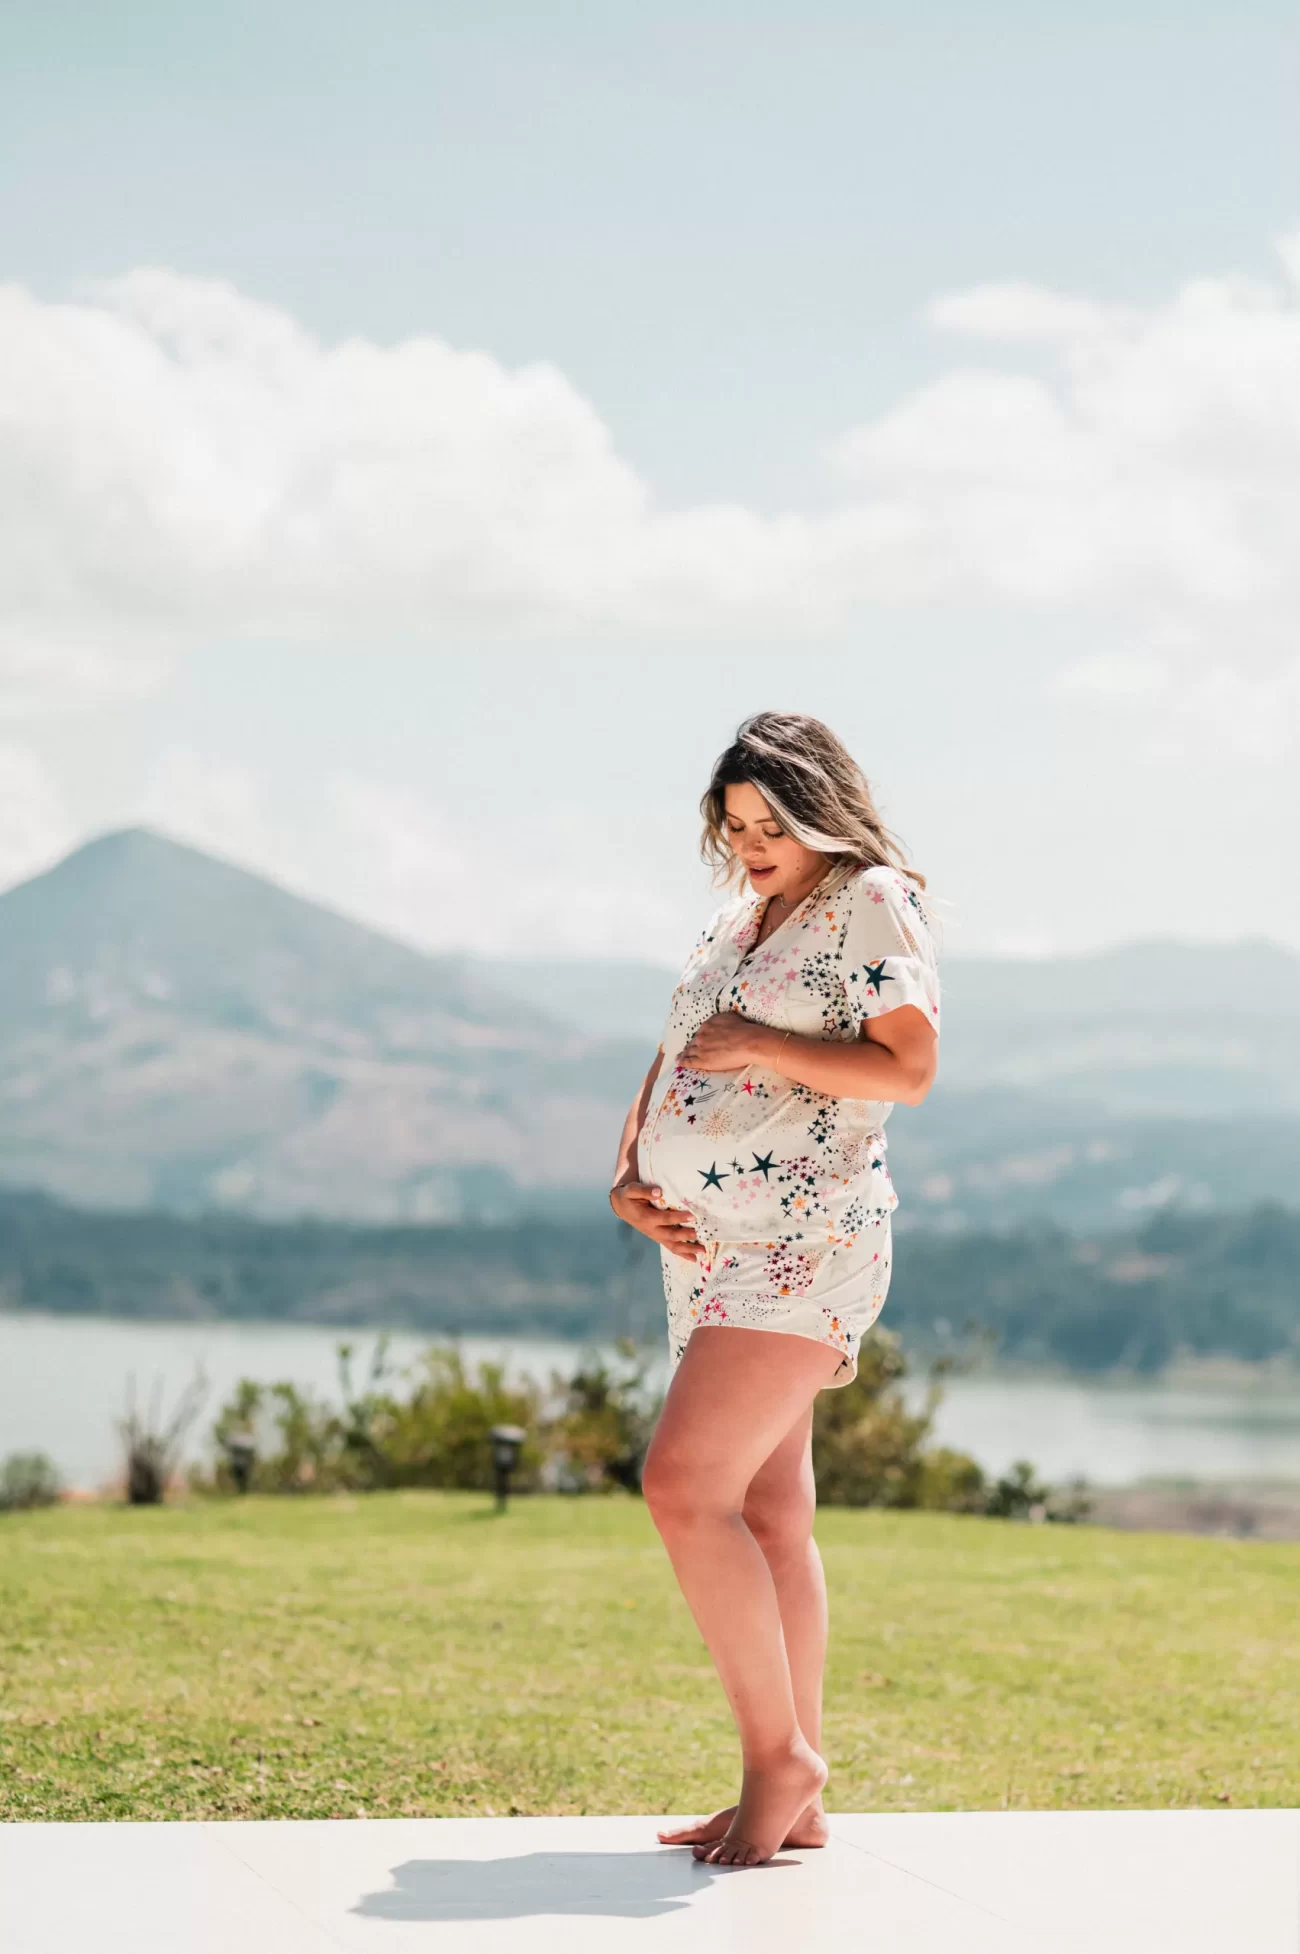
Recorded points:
426,432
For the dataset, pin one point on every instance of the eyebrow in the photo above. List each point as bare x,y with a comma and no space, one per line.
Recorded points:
727,815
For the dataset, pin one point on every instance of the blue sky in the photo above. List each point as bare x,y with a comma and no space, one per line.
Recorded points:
933,369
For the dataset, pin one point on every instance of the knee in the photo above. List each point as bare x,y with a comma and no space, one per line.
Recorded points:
781,1525
675,1487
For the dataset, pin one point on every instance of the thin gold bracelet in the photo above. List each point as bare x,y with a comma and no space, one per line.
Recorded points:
780,1053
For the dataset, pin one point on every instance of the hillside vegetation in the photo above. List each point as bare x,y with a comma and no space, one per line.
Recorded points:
1201,1284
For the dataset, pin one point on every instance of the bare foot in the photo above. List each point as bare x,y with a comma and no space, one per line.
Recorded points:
809,1829
771,1798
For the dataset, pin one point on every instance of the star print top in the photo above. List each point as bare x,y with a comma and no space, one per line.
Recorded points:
756,1156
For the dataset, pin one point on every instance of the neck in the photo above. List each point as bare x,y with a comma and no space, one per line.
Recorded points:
804,887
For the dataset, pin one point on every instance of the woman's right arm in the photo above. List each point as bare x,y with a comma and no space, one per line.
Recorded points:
640,1204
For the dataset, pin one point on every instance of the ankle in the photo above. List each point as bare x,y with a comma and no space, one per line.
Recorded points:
794,1749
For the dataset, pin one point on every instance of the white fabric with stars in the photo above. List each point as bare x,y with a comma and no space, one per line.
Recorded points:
788,1187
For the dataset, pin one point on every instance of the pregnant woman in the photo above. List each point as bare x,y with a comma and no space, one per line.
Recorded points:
754,1156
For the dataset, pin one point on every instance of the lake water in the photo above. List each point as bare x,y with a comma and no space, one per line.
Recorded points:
63,1383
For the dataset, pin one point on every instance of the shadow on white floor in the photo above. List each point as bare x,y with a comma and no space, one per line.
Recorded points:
899,1883
642,1885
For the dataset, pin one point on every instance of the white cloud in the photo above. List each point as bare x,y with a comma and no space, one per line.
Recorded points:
181,463
390,857
1019,311
411,870
215,806
34,825
1153,462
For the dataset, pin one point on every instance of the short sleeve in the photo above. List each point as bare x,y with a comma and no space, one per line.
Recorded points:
887,950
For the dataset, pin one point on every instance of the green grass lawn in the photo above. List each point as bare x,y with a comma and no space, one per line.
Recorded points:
412,1653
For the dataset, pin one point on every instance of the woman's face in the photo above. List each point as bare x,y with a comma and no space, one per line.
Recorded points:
775,863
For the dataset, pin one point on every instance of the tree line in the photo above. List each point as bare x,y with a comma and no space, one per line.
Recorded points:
1201,1283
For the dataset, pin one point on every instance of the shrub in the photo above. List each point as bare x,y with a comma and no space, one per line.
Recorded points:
152,1448
590,1432
439,1435
434,1435
951,1482
297,1442
27,1479
598,1437
867,1444
1021,1495
869,1449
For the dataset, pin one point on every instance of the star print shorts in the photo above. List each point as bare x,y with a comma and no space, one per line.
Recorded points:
831,1293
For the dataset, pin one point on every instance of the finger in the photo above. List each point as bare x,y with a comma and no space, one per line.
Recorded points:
668,1233
679,1240
640,1190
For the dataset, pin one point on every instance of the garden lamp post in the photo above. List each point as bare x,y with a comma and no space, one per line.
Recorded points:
241,1455
506,1443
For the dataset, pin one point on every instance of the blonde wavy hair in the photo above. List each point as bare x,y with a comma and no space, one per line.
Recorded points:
815,789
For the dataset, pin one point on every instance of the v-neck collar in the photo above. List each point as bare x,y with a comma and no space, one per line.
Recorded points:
758,909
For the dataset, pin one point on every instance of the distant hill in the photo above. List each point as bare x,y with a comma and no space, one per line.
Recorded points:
1080,1089
178,1033
1148,1029
605,997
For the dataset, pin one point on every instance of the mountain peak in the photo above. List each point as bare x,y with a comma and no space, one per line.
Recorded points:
135,839
140,850
134,912
177,1029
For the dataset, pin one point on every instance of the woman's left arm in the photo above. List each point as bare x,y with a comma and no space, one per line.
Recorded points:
894,1058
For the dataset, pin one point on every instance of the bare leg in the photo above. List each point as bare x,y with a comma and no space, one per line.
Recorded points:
779,1509
735,1396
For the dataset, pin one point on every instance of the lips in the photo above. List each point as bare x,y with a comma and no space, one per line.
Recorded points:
757,874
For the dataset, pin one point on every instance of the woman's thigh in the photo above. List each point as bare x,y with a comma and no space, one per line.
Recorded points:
735,1397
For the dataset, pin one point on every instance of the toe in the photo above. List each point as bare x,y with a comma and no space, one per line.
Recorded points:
702,1831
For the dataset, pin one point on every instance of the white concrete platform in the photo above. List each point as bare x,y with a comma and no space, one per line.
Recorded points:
1197,1882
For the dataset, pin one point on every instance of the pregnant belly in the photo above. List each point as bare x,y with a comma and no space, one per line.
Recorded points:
719,1155
760,1165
